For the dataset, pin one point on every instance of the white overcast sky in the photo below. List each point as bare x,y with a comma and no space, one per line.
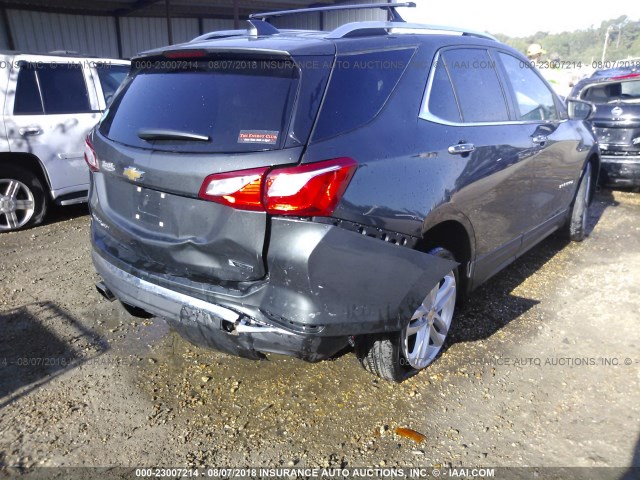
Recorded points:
518,19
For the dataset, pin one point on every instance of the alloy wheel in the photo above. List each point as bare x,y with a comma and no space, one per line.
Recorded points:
17,204
424,336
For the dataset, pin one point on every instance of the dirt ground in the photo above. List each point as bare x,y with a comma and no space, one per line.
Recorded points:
543,369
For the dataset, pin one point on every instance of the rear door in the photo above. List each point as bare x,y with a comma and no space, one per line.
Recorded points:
51,112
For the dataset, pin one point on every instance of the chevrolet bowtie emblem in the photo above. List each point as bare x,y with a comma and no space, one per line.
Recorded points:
132,174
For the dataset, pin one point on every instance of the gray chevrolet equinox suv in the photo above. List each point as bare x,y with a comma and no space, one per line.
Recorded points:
295,192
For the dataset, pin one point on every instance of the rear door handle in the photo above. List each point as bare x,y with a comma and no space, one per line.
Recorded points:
539,139
30,131
461,148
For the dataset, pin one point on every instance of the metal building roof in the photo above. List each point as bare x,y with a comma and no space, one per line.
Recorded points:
159,8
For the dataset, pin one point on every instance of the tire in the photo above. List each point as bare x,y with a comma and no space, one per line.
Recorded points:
398,356
23,201
576,228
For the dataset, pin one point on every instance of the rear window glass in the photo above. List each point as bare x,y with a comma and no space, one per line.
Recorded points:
627,92
237,105
359,87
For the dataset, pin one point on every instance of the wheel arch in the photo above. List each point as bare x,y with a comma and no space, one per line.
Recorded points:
454,232
28,162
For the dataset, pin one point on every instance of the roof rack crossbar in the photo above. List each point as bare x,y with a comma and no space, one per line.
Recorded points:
390,7
261,27
352,28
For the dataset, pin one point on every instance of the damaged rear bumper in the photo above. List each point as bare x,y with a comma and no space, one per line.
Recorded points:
621,171
324,285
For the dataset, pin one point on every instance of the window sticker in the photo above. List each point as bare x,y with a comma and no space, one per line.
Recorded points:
269,137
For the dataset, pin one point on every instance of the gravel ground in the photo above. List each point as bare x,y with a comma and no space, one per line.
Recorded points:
542,369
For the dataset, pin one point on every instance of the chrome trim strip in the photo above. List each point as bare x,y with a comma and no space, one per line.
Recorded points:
160,293
425,114
620,159
74,201
164,302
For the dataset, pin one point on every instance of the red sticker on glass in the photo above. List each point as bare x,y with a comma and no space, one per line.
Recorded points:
270,137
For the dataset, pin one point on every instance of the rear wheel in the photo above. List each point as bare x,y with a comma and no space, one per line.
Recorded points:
577,224
400,355
22,199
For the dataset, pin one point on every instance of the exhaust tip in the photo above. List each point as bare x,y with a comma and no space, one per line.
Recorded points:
104,291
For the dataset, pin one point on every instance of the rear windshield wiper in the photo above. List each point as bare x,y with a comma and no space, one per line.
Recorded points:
164,134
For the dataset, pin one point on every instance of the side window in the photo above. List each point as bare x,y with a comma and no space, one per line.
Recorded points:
533,97
111,76
476,85
442,101
63,88
28,101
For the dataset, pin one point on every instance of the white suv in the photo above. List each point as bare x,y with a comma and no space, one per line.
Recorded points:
49,103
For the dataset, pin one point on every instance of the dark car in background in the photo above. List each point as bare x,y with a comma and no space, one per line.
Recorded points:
295,192
616,122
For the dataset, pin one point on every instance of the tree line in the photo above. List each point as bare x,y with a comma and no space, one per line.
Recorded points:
586,46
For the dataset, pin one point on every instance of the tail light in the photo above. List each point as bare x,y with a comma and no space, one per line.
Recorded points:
305,190
241,189
308,190
90,156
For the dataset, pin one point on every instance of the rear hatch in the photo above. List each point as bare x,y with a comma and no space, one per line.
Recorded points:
181,117
616,119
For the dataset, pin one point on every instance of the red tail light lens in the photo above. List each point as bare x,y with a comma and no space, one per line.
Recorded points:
90,156
306,190
241,189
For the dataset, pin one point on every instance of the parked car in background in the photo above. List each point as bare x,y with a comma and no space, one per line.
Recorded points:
50,102
616,122
293,192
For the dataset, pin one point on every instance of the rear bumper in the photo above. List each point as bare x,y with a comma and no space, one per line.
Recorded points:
621,171
210,325
324,285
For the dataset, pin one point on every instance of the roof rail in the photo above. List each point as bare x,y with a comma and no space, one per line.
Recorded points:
352,29
390,7
219,34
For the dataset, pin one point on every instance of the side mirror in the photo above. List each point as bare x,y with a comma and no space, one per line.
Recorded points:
579,109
